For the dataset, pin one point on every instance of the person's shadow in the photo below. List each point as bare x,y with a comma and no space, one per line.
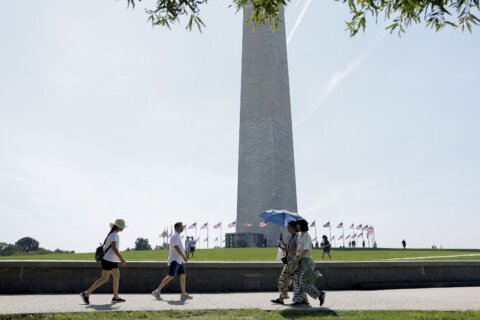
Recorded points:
302,313
102,307
176,302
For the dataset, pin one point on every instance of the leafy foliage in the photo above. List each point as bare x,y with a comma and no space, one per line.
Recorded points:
436,14
142,244
27,244
7,249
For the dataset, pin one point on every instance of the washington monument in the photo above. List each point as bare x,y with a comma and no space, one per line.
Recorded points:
266,167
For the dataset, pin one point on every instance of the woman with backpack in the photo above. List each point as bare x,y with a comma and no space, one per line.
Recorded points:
109,259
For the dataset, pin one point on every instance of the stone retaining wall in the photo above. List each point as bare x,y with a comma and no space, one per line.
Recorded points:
21,277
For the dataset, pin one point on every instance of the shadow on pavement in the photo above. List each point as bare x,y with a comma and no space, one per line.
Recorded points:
102,307
176,302
307,313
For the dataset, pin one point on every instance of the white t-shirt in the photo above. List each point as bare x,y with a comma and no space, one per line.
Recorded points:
110,256
173,255
193,243
304,242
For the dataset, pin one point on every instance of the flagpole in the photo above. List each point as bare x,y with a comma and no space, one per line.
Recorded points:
330,228
208,240
221,229
343,234
315,229
353,229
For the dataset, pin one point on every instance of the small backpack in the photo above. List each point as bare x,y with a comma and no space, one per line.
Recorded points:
99,253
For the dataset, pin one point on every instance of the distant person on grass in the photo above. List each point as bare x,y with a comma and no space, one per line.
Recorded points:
176,262
187,247
193,245
111,248
404,244
304,275
286,276
326,246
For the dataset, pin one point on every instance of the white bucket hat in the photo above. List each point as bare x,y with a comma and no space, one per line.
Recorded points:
119,223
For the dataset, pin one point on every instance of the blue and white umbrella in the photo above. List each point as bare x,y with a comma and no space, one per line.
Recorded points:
280,217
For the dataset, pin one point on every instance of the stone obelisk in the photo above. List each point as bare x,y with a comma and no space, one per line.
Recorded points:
266,167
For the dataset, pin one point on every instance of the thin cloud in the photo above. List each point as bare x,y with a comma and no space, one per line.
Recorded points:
222,146
339,77
299,20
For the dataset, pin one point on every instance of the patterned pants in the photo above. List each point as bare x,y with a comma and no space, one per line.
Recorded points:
286,278
301,287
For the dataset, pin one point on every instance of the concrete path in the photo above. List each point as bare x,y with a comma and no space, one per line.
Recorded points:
405,299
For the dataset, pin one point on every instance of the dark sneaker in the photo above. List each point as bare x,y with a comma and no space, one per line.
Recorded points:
115,300
322,298
85,299
278,301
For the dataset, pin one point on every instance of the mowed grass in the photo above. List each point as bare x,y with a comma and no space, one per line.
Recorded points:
260,314
269,254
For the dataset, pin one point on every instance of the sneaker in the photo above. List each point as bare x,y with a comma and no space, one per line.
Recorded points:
318,274
156,294
85,299
185,296
115,300
322,298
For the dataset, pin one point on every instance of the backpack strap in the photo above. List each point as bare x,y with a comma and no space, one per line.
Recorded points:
105,252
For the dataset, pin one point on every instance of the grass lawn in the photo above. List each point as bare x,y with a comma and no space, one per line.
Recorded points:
269,254
260,314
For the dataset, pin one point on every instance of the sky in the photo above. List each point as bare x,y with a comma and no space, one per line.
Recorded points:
103,116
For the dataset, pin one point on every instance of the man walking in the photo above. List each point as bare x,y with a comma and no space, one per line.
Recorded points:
193,245
187,247
176,262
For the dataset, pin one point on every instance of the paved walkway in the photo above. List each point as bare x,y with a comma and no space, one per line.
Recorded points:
405,299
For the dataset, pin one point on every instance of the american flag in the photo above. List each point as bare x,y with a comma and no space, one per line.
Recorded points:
263,224
313,224
204,226
206,239
340,225
360,235
233,224
216,239
352,226
217,226
193,226
341,237
247,225
333,238
359,227
327,225
347,237
314,239
353,236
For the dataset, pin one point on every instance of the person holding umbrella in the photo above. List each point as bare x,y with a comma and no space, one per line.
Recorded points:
286,276
304,275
